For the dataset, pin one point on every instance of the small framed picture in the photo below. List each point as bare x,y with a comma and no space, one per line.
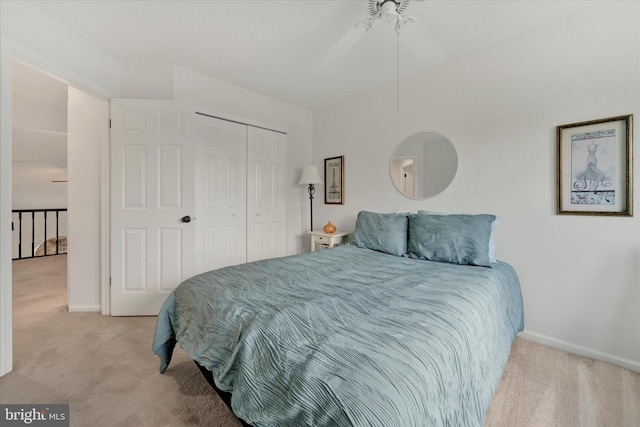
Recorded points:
334,181
595,167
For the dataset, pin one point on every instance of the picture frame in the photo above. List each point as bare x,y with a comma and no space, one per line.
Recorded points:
334,180
595,167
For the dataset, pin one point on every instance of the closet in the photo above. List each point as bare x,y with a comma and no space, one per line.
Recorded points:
240,211
189,193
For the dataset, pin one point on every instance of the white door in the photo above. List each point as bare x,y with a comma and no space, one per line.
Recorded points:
266,194
152,202
221,177
408,178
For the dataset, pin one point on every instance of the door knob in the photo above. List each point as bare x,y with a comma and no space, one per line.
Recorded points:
186,219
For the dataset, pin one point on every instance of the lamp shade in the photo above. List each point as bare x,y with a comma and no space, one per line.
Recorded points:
310,175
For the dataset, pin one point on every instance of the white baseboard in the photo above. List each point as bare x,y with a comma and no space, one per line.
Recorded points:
580,351
87,307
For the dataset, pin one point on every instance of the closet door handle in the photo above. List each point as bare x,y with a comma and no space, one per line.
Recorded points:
186,219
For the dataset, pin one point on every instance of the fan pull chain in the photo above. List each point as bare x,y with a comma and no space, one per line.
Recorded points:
398,70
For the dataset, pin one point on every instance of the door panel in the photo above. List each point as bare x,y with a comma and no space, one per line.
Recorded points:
266,193
221,182
134,181
170,176
152,187
133,261
170,244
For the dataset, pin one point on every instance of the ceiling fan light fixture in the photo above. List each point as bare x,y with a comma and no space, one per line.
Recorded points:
389,12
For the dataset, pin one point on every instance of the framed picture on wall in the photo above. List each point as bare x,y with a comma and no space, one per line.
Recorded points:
595,167
334,180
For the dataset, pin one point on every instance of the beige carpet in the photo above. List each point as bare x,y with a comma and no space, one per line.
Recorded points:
104,368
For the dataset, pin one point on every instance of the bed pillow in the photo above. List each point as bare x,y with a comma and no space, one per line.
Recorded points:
492,242
381,232
458,239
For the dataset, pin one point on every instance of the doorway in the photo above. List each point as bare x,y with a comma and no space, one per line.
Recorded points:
87,197
38,165
403,175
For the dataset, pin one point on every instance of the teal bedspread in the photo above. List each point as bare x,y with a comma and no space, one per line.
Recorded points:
348,337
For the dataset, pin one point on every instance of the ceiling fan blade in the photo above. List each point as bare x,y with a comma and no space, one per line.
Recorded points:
345,43
421,43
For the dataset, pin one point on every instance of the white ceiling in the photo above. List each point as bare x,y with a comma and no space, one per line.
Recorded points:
273,47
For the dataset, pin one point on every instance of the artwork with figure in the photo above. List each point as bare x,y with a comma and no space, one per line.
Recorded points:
593,168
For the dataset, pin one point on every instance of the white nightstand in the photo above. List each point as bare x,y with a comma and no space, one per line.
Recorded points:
325,240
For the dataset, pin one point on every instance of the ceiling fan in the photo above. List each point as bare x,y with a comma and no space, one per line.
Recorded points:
387,11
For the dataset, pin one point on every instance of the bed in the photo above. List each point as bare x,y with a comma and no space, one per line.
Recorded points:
353,335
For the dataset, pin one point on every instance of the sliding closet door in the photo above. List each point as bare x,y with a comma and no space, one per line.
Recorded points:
221,181
266,194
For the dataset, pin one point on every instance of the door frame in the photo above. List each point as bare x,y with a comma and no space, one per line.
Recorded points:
10,51
6,294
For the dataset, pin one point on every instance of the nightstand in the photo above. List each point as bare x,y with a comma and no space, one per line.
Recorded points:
325,240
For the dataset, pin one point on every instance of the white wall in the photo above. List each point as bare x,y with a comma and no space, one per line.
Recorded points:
33,189
580,275
88,134
30,114
147,82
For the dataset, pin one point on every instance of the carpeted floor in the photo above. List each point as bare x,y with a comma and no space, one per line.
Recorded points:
104,368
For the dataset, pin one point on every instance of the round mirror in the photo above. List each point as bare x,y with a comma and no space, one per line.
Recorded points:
423,165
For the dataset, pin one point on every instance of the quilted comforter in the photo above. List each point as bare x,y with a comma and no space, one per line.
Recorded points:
348,337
